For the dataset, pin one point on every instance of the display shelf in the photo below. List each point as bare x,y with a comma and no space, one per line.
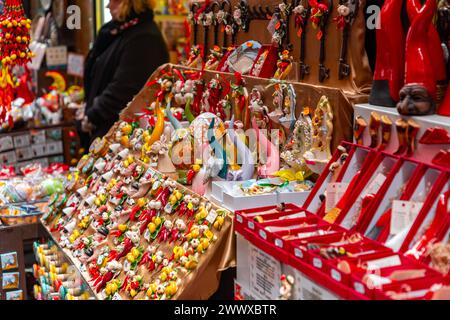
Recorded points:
424,153
68,256
43,127
12,241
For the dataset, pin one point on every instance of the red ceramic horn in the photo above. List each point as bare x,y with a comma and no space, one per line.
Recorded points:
417,97
418,68
390,63
434,43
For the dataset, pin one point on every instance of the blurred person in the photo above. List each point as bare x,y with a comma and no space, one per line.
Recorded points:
127,51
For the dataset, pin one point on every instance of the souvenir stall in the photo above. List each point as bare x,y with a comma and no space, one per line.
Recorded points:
272,150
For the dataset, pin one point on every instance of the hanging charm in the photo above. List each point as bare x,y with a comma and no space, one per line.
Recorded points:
301,14
347,11
224,18
14,51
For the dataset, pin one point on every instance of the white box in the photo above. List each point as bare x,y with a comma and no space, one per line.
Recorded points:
265,274
235,203
297,198
242,292
21,141
8,158
242,261
309,290
24,153
39,150
6,143
53,148
38,137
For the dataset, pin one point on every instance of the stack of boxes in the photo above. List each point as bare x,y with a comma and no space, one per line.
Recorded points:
43,146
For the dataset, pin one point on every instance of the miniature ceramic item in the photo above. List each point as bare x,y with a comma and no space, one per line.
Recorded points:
320,153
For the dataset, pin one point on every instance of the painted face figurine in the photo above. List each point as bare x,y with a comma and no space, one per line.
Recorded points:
415,101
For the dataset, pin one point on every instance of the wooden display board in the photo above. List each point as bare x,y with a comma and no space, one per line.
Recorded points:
356,86
307,95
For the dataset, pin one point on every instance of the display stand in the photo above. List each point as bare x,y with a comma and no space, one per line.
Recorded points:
12,241
424,153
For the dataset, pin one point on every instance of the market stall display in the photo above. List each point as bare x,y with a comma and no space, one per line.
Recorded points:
270,147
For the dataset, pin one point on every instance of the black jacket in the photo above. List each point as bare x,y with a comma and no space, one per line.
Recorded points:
117,68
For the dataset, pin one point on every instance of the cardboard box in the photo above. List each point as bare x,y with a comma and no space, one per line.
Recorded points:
6,143
23,140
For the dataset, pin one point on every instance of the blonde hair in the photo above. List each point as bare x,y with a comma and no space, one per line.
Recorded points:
138,6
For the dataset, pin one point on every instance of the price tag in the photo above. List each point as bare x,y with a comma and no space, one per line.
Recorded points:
263,234
359,288
279,243
75,64
147,235
272,27
334,193
400,212
251,225
336,275
56,56
298,253
317,263
404,213
168,208
239,219
211,216
117,296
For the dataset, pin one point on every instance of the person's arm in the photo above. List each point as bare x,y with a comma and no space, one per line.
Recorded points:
141,57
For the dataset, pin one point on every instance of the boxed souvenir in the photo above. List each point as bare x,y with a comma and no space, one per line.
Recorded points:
416,289
266,62
23,140
6,143
8,158
39,150
24,153
38,137
375,272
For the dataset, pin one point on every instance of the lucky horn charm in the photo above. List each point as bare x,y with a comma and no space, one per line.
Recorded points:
418,94
200,181
389,68
273,156
420,248
435,51
248,163
159,126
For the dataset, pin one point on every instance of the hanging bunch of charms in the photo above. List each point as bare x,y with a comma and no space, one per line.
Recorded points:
14,51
